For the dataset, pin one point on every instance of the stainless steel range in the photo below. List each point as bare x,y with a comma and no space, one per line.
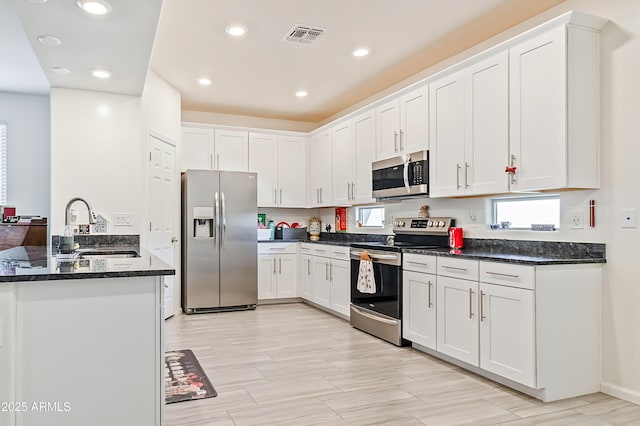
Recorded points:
378,311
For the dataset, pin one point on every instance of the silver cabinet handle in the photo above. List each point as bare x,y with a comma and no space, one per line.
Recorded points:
326,271
321,197
416,263
454,268
482,317
502,275
395,141
280,195
280,266
466,173
317,195
348,191
401,139
458,176
470,303
275,196
308,266
274,266
513,167
429,304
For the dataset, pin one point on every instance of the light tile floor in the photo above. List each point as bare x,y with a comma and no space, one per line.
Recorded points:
296,365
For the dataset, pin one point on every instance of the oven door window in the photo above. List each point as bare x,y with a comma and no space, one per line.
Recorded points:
386,299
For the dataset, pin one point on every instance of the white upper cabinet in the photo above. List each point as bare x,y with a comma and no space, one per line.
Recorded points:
470,130
343,158
279,162
403,124
554,101
320,170
213,149
231,150
364,144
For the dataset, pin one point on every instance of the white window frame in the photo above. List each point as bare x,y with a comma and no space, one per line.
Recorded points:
359,212
496,201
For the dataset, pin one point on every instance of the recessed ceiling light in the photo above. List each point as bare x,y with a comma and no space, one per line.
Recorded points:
236,30
204,81
49,40
101,73
361,52
301,93
95,7
61,70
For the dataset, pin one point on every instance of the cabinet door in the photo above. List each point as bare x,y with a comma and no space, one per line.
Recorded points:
292,188
446,127
538,109
286,276
414,121
262,160
388,129
340,286
507,332
342,164
196,146
231,150
321,282
321,170
306,276
457,323
487,126
364,143
419,308
267,270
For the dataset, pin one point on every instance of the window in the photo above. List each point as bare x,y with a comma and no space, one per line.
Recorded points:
370,217
522,212
3,163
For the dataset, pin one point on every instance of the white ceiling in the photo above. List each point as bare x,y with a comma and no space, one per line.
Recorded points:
258,74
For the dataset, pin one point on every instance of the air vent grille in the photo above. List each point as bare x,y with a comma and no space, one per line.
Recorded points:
304,34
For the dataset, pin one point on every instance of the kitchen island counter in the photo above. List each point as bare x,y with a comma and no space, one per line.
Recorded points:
36,263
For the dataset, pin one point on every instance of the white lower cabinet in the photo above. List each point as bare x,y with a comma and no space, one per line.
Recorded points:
457,319
419,308
277,270
507,332
326,276
534,328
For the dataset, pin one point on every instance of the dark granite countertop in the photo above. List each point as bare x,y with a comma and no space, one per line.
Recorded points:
517,258
33,263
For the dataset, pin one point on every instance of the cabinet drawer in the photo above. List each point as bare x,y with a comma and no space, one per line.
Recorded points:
520,276
457,268
276,248
419,263
340,252
306,248
323,250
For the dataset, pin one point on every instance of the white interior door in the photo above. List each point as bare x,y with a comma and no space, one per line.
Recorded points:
163,202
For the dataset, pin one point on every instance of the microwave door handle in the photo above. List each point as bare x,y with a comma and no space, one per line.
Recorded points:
406,177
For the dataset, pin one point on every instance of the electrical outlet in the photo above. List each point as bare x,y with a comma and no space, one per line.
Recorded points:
122,219
576,219
629,218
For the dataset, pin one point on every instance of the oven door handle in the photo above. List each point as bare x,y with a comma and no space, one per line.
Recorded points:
374,317
376,256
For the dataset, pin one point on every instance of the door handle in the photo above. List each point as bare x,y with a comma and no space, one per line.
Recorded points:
274,266
308,266
401,139
482,317
174,240
216,207
275,196
395,141
223,212
373,317
280,266
458,176
466,173
280,195
470,303
429,304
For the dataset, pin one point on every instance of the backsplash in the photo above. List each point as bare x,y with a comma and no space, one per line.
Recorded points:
537,248
106,240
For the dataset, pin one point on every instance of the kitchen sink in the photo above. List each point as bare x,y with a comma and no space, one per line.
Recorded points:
106,254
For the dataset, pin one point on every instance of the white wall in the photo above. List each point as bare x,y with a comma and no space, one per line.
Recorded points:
27,118
97,153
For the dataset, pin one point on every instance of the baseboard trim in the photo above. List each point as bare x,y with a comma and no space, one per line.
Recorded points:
620,392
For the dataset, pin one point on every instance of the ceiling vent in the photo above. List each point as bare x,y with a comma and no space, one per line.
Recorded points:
303,34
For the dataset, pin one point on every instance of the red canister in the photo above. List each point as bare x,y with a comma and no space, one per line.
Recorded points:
455,238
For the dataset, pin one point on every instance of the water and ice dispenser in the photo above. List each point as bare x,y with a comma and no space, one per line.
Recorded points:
203,222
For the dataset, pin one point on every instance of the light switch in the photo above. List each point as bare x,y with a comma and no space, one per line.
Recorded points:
629,218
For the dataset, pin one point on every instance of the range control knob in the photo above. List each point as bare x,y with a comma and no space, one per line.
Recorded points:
399,223
441,223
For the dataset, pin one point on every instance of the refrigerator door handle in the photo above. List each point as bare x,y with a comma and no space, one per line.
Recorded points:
223,227
216,208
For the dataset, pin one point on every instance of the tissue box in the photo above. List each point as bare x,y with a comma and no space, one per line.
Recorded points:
264,234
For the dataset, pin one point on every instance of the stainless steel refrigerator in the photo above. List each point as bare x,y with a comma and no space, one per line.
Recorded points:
219,242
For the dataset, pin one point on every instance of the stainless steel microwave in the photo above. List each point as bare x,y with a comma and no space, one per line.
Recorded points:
403,176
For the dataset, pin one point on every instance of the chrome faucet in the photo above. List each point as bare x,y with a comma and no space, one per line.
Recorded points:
92,215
